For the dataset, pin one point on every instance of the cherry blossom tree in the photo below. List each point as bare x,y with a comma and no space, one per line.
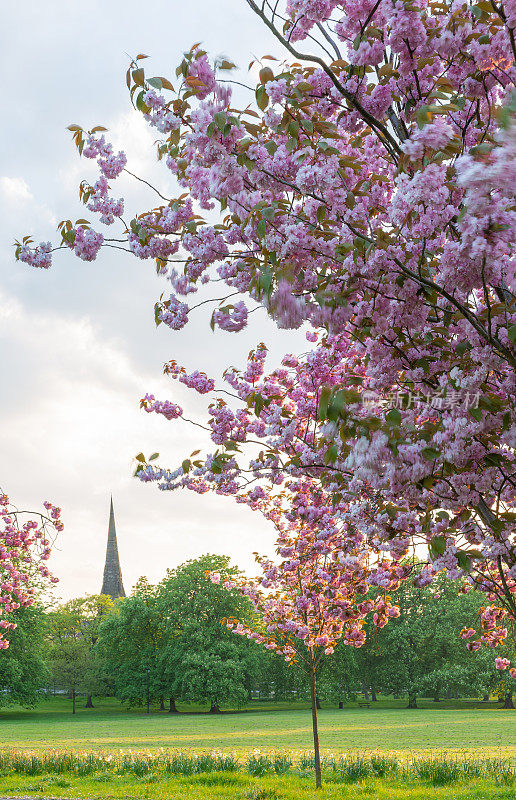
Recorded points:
24,550
316,594
367,192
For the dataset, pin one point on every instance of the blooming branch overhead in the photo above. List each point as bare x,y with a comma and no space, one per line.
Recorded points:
367,194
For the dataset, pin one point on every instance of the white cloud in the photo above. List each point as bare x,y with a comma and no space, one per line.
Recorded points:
14,190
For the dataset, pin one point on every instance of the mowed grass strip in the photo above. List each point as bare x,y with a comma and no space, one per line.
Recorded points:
220,786
482,729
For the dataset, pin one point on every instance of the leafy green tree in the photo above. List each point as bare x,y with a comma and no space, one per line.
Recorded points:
130,645
206,662
73,631
421,652
172,641
69,663
23,671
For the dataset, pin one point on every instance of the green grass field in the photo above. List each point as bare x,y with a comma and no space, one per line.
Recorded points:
479,728
219,786
453,728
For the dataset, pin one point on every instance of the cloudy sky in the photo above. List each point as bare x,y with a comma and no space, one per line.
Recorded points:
78,343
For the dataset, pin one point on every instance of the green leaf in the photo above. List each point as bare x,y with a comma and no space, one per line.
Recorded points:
220,120
337,405
269,213
261,229
438,545
422,116
393,417
262,98
186,465
464,561
495,459
140,104
293,129
258,405
324,402
331,454
155,83
265,281
140,457
154,456
512,333
476,414
430,453
462,347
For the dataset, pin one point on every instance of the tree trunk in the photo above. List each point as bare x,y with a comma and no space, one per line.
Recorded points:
73,701
173,708
162,704
373,695
437,699
412,700
365,692
315,729
214,709
89,701
341,705
485,698
508,701
449,694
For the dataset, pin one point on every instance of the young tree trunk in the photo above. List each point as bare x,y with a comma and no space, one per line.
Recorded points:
89,701
412,700
437,699
214,709
173,708
162,704
373,695
315,729
365,692
485,698
508,701
73,701
341,705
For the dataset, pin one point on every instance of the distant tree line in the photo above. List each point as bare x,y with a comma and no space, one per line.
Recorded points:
168,644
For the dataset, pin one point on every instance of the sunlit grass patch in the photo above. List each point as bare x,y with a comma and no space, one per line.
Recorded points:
386,727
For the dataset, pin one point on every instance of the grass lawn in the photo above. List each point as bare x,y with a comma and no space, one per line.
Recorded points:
479,728
235,786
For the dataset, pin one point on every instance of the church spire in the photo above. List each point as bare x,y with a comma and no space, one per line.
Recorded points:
112,583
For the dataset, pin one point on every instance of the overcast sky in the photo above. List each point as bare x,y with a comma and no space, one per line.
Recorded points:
78,343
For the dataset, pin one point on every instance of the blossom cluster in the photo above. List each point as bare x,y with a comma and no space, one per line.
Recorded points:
168,409
24,551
